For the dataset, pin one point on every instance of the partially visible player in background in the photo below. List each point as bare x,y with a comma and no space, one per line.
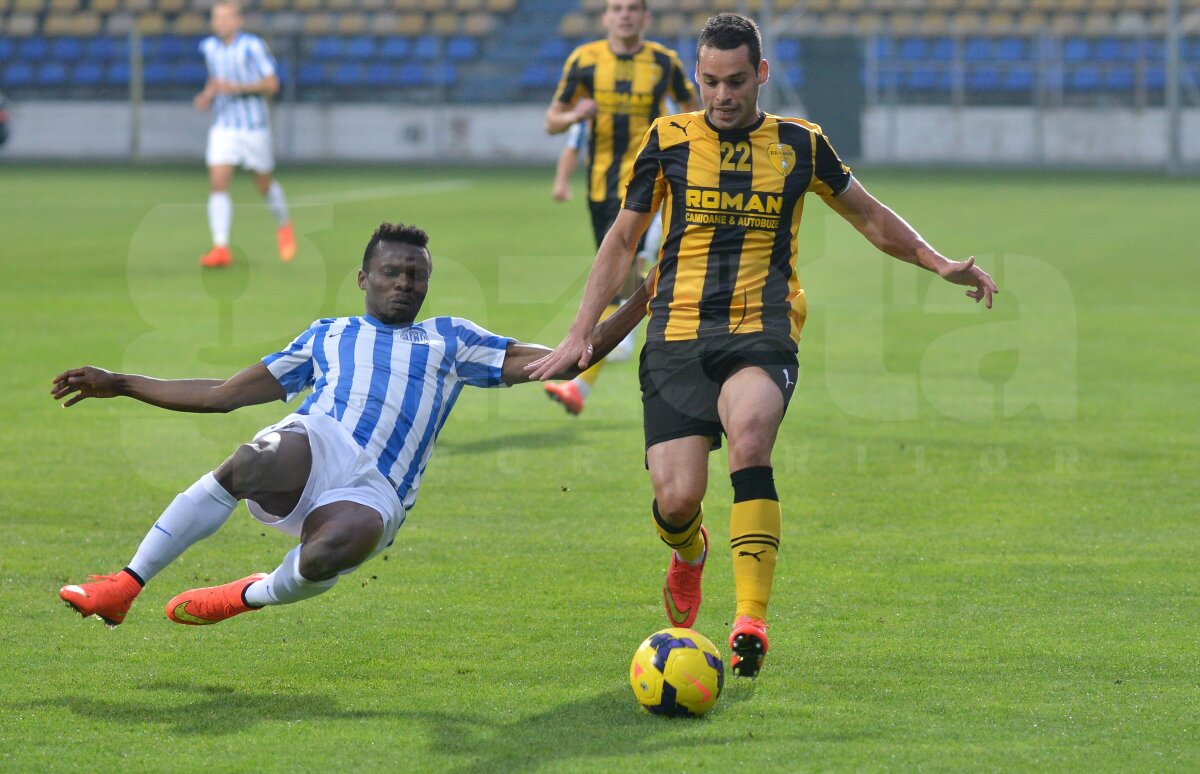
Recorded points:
241,75
619,85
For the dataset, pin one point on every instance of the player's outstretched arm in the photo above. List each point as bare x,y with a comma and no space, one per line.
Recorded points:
890,233
605,336
608,272
248,387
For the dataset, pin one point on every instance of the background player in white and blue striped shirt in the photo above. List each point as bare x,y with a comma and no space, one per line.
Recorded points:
241,75
342,471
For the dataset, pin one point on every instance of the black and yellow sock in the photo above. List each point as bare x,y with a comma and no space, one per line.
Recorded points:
754,530
686,539
589,376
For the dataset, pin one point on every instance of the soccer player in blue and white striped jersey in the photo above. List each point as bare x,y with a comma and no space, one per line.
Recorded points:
342,471
241,75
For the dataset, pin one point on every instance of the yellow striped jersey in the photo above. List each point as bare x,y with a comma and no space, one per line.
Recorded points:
732,202
629,90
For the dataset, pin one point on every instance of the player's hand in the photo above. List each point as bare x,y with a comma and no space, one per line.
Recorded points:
202,101
561,192
585,108
574,351
86,382
967,273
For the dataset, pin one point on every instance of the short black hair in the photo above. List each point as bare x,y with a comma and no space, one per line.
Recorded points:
395,232
727,31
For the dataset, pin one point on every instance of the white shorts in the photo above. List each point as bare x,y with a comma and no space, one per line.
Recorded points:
249,148
341,471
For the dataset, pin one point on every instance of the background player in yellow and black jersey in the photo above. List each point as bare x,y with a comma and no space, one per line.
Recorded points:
619,85
727,309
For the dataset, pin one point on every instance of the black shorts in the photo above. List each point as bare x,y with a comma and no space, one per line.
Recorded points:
681,380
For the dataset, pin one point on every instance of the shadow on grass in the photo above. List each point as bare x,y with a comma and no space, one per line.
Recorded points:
209,710
605,726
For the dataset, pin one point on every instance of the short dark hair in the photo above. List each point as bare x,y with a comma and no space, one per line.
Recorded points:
395,232
727,31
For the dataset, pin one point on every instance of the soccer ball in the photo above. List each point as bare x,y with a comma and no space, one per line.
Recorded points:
677,672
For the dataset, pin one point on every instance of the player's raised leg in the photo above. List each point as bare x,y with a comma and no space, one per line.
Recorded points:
273,468
285,235
220,210
751,407
679,473
337,538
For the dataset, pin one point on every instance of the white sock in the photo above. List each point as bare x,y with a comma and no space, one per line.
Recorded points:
220,217
286,585
276,202
583,387
191,517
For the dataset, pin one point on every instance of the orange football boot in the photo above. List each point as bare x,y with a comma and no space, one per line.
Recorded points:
567,394
285,236
217,258
107,597
681,591
213,604
748,645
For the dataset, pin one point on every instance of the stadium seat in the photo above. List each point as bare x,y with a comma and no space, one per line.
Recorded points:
1019,78
942,50
913,50
194,73
978,50
539,76
1156,77
7,49
381,75
394,48
427,47
101,48
1119,78
156,73
327,47
553,50
441,74
926,79
311,74
983,78
787,50
359,48
65,49
348,75
1076,50
462,49
169,47
117,74
33,49
1011,50
1083,78
412,75
795,74
87,73
18,74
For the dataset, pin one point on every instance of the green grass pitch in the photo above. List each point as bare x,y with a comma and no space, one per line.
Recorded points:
991,531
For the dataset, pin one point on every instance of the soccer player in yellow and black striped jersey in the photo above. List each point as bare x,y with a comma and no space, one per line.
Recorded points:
727,309
619,85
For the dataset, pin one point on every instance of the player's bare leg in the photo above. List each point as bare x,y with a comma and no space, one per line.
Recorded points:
220,216
751,408
285,236
679,474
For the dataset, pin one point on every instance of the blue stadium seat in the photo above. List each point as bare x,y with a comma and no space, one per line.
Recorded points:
978,50
926,79
7,49
787,50
881,47
1077,50
539,76
1150,50
461,49
393,49
1119,78
1011,50
193,73
441,74
381,75
427,47
117,74
311,74
156,73
18,74
65,49
913,49
327,47
1084,78
167,47
1109,50
412,74
33,49
553,50
1019,78
346,74
795,75
358,48
102,48
984,78
942,50
88,73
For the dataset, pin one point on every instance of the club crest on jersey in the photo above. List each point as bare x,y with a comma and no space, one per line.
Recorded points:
414,335
782,157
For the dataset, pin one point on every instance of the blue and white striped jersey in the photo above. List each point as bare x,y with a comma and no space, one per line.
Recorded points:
244,60
391,387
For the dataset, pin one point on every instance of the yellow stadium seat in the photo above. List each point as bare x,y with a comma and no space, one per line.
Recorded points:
501,6
433,6
171,6
352,24
869,23
318,23
28,6
308,6
444,23
190,24
1105,6
63,6
1097,24
152,24
54,25
966,23
274,5
945,5
1065,24
573,25
406,5
340,5
978,5
86,24
466,6
373,5
1000,21
412,24
902,24
668,24
836,24
1032,21
137,6
934,23
593,6
479,24
819,6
